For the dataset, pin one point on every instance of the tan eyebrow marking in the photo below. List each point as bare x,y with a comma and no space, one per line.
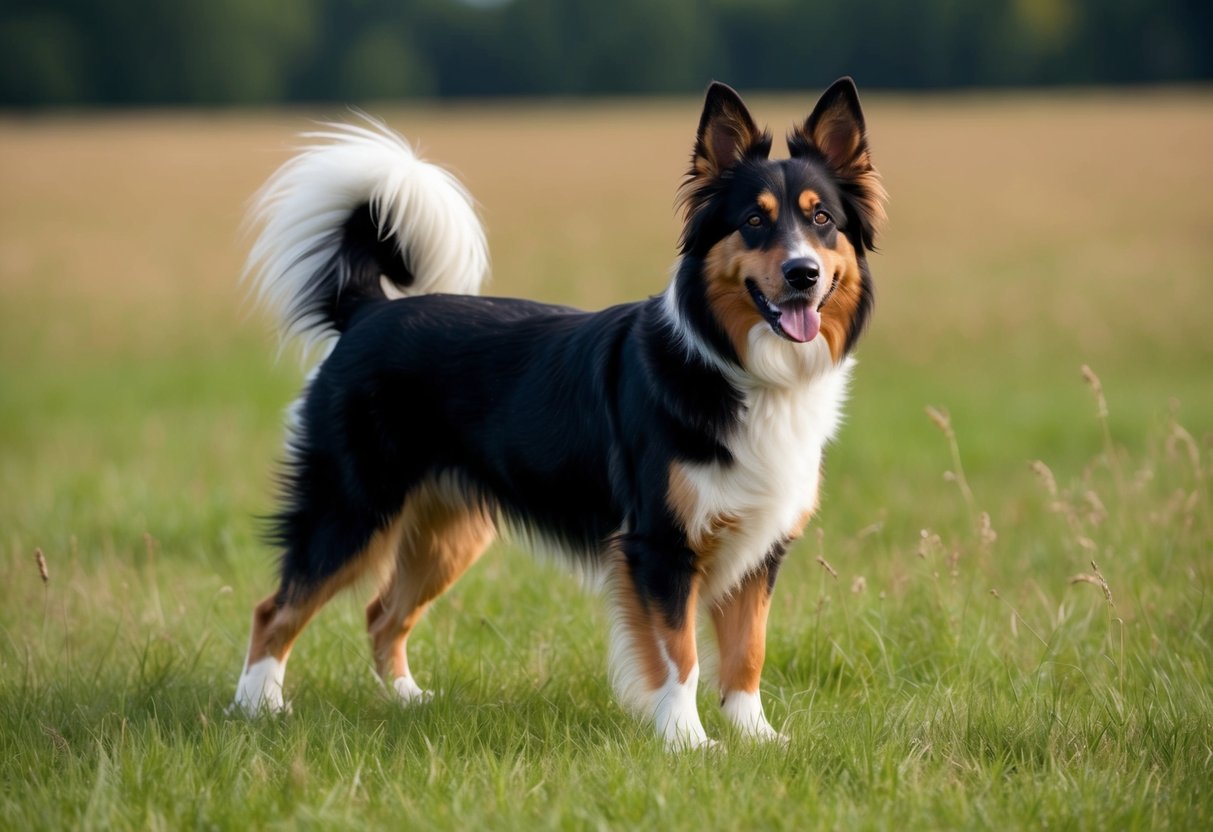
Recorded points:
768,203
808,199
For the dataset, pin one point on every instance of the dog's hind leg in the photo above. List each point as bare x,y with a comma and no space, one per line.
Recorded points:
280,618
442,534
277,622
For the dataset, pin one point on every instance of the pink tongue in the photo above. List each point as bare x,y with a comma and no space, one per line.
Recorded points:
799,322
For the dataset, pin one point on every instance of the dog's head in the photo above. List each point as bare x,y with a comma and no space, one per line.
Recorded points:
781,245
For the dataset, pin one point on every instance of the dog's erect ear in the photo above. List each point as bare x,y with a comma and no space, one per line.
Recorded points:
727,133
835,128
835,131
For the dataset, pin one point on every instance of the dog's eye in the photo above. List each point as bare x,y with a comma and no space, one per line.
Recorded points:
753,220
821,218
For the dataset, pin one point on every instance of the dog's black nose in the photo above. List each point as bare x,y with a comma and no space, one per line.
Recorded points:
801,273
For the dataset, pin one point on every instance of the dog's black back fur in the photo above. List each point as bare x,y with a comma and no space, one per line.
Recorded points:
517,402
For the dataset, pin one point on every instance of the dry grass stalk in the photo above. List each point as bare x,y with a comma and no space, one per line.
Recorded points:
1091,512
1057,504
1101,412
1015,615
40,559
870,529
1095,579
821,553
929,543
1096,513
1096,386
943,420
58,739
1180,507
1103,583
825,564
1045,475
1179,436
985,530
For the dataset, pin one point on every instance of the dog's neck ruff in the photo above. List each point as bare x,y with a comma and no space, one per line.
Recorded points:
775,362
692,343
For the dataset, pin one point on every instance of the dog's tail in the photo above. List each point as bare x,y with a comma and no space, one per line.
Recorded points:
358,218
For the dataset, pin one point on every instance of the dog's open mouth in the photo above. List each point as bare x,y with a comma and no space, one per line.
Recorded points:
794,318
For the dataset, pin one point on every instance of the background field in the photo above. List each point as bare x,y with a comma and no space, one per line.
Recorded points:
945,677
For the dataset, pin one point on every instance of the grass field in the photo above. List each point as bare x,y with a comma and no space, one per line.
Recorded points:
952,673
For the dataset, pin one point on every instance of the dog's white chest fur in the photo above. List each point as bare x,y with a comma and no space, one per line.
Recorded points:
766,493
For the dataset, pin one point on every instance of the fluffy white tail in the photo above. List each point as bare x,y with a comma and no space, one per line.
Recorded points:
356,218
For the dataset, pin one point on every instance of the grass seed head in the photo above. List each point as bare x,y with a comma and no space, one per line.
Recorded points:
1095,578
870,529
57,738
1092,380
40,559
1179,436
1045,475
928,543
1096,513
985,530
1103,583
825,564
942,420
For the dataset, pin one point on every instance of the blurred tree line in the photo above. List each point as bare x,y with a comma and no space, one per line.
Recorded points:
254,51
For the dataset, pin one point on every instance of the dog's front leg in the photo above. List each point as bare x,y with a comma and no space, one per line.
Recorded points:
740,620
654,662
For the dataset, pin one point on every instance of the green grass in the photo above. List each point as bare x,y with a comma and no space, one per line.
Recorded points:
963,682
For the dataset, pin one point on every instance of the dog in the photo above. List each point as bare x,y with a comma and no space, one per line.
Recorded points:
671,446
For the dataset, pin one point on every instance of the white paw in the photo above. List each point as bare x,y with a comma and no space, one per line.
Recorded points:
259,691
408,692
676,714
744,710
